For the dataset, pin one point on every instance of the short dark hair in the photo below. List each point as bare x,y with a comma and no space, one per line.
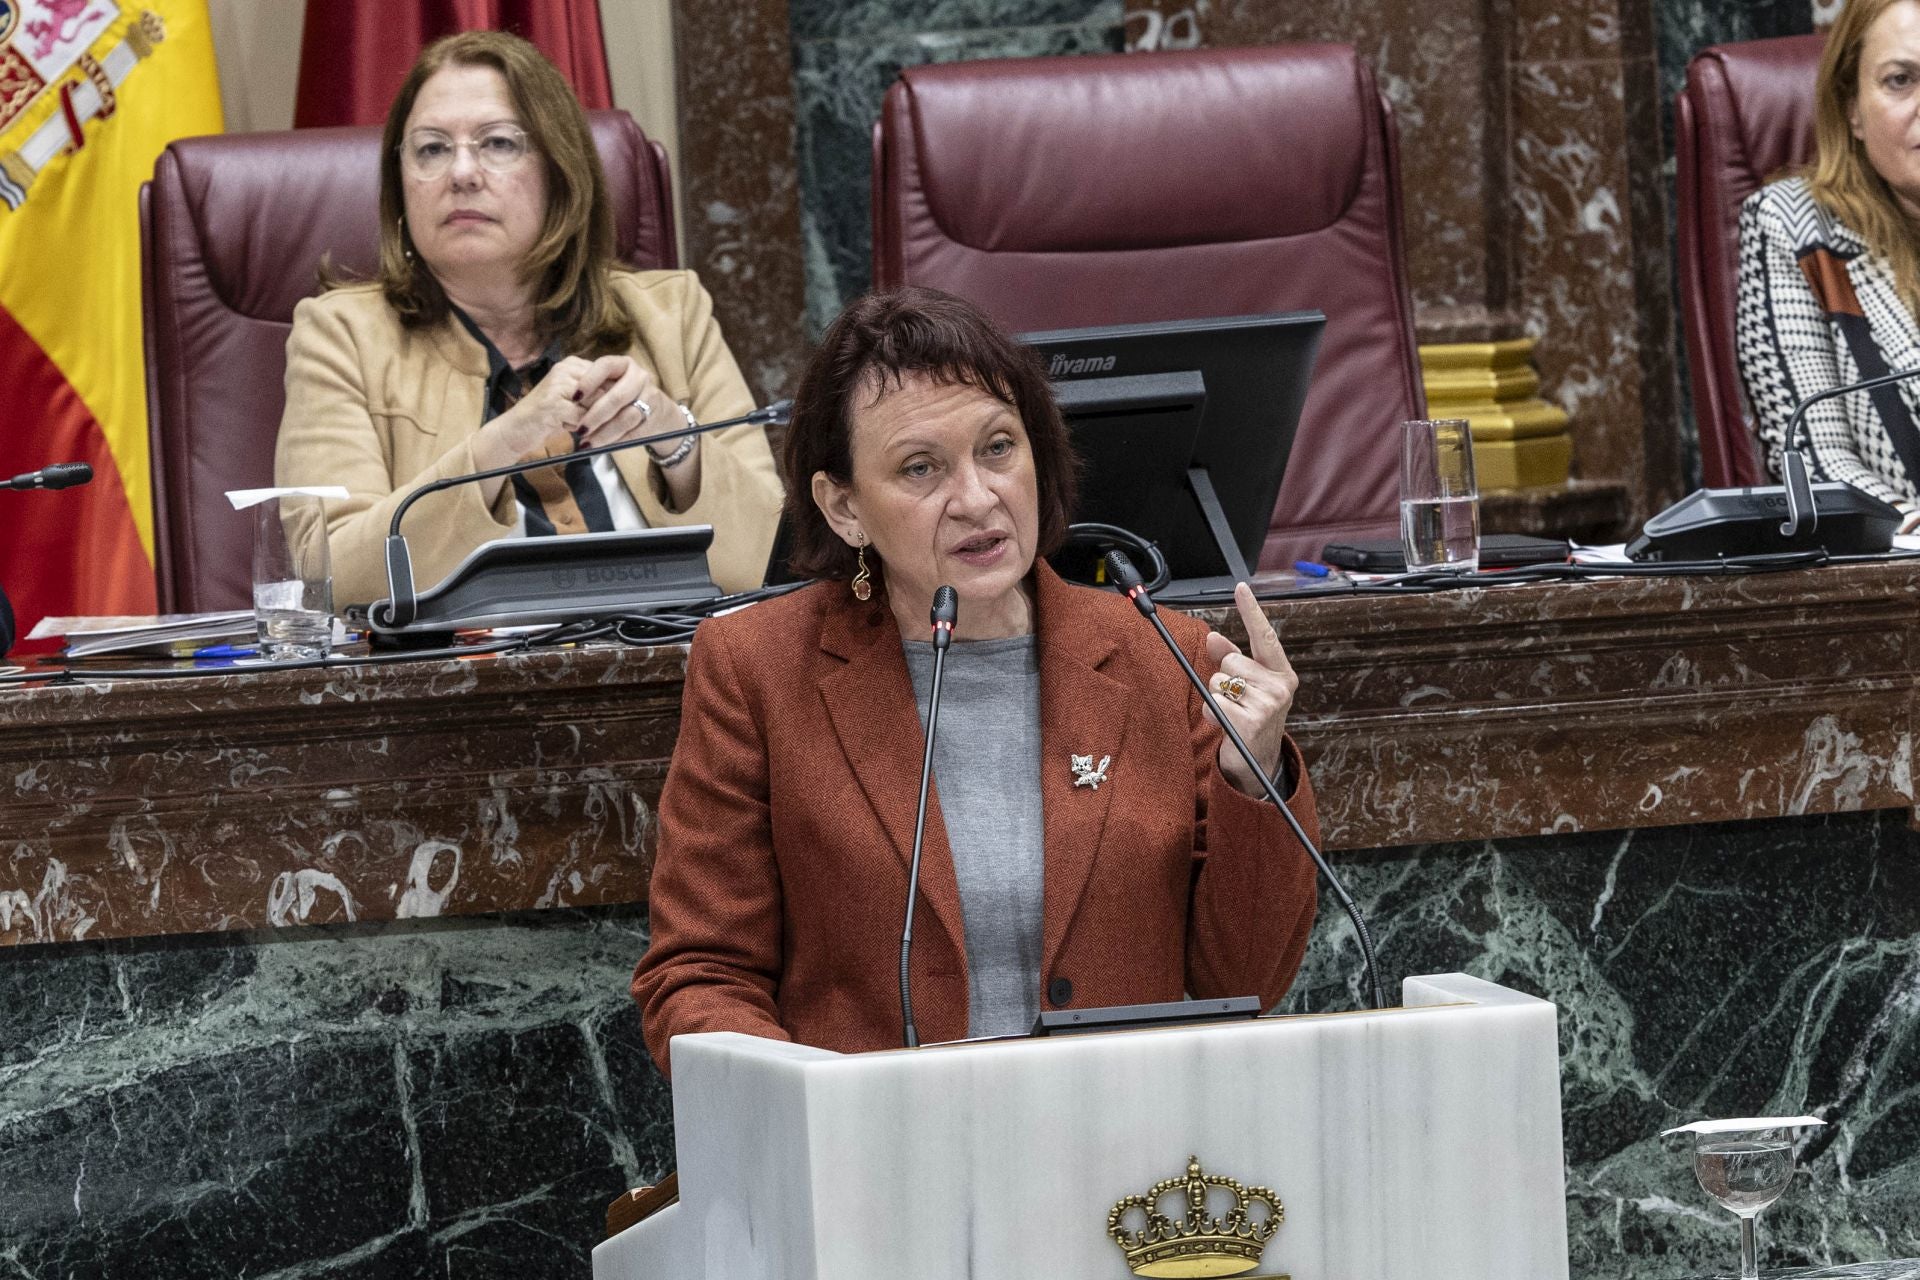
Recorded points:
876,341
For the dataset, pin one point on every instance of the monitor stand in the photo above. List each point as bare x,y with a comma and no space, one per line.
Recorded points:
1201,482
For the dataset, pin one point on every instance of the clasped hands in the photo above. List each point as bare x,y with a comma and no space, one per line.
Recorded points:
1259,712
593,401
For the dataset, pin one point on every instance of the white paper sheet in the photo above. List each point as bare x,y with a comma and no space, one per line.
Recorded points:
1748,1122
244,498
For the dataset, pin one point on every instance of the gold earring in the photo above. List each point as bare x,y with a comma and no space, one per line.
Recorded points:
862,581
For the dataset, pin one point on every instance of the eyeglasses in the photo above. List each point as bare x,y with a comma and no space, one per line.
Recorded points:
428,153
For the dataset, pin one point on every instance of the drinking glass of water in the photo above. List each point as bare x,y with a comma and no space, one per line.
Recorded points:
1745,1170
292,577
1439,500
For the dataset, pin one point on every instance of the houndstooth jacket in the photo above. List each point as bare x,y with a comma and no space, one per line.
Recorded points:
1817,310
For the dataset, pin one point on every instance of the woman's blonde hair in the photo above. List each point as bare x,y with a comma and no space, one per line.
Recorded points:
574,301
1843,180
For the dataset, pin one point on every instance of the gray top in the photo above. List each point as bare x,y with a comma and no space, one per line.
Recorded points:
986,764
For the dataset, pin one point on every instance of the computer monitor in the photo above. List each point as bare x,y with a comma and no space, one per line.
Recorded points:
1183,428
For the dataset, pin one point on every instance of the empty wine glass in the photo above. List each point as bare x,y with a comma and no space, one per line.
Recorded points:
1745,1170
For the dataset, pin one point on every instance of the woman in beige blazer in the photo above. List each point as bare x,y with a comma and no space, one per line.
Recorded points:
500,328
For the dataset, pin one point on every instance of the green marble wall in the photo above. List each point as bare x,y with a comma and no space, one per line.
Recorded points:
453,1098
464,1098
846,53
1760,968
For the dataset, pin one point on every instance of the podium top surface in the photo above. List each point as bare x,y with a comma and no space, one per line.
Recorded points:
1427,996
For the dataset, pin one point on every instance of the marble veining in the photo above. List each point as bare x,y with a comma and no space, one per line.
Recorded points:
1904,1269
859,19
429,1099
845,57
388,792
1699,971
774,89
465,1096
740,190
1685,27
173,808
1535,198
1441,65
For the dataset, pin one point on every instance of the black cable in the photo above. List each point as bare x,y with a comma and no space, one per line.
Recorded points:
1428,582
1107,537
678,626
1114,536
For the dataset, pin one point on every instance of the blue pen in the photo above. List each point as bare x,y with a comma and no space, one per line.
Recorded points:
226,651
1311,568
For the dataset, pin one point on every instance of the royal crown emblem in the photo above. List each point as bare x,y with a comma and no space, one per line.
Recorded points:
1196,1243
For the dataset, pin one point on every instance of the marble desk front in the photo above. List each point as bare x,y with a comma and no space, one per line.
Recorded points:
526,781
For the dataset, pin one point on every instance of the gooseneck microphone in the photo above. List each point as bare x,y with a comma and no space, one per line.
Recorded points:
946,611
61,475
397,611
1802,512
1122,573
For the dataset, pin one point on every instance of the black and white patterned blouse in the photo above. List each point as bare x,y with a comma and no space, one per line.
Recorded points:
1817,310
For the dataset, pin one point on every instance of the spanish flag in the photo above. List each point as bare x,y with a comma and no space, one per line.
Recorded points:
91,91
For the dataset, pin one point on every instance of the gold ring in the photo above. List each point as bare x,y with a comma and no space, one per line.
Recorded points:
1234,688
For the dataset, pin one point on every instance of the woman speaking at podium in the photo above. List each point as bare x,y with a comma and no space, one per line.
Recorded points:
1090,842
501,328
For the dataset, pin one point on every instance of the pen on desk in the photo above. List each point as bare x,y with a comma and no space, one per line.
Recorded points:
226,651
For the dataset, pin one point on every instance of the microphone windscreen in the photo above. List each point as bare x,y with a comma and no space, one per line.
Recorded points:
65,475
946,606
1121,570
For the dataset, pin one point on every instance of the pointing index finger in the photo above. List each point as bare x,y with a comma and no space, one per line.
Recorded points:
1263,642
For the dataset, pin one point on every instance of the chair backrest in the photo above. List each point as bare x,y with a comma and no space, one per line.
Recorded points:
232,229
1746,114
1063,192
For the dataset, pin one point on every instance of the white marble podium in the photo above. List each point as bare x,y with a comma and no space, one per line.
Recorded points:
1414,1142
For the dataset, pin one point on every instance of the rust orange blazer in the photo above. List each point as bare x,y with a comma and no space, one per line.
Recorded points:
787,823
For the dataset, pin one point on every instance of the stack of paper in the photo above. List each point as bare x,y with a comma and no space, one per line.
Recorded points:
170,634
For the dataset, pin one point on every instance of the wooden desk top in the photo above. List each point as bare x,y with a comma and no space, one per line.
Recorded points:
528,781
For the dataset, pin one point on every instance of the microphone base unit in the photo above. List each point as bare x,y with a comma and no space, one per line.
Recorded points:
1709,524
535,581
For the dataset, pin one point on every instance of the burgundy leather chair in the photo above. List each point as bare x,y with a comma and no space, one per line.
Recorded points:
1746,114
1062,192
232,229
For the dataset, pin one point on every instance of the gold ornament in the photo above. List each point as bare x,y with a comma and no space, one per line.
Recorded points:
1195,1244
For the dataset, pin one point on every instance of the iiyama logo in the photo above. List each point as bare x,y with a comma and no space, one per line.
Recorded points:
1062,364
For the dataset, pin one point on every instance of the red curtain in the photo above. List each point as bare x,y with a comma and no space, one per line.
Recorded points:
355,53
